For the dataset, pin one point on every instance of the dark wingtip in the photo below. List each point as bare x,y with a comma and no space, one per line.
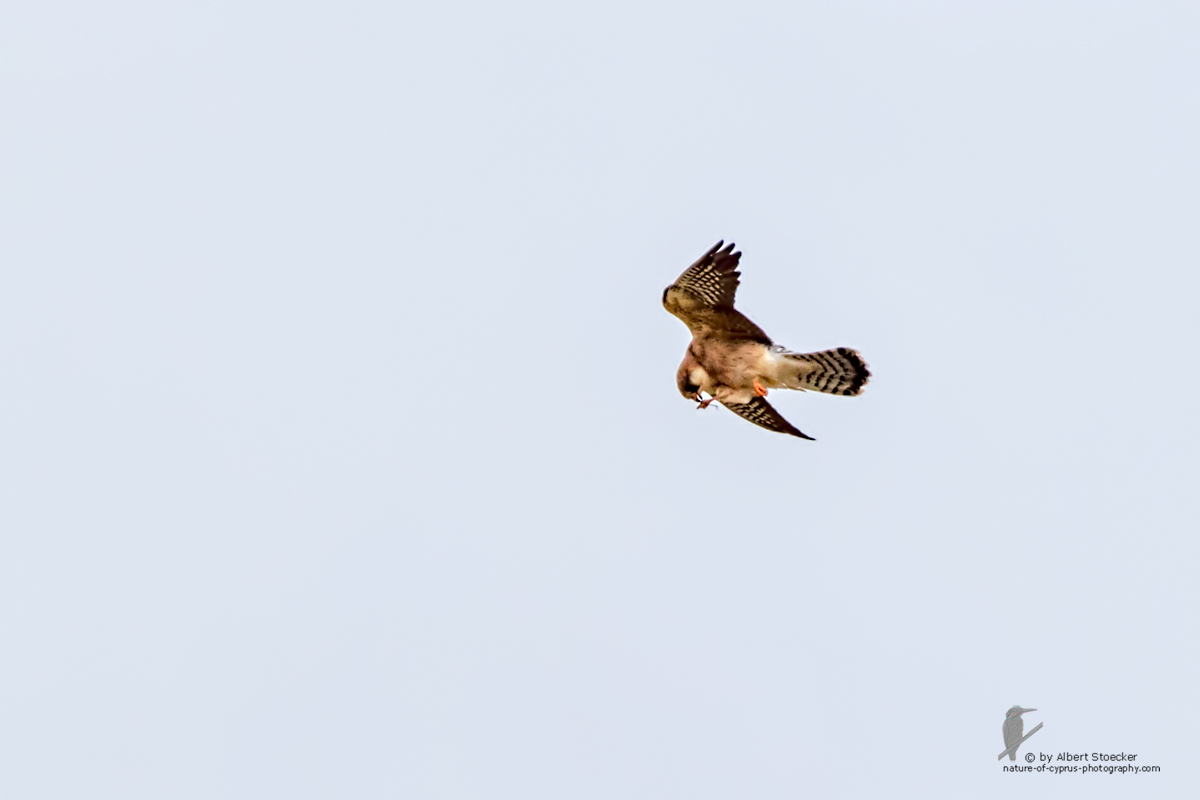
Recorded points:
792,430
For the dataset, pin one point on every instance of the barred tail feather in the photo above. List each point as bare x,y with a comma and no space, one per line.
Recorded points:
839,371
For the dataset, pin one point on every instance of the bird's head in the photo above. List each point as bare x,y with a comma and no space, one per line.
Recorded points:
683,379
1017,711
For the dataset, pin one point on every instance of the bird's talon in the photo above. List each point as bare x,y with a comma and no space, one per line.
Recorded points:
759,389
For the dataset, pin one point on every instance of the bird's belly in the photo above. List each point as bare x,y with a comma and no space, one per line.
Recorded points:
744,364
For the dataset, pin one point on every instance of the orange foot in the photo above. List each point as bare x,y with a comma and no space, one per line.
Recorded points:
759,389
705,403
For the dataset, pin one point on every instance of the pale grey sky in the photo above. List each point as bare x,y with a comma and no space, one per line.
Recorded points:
341,453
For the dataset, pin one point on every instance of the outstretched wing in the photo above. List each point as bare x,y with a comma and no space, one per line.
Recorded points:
763,414
703,297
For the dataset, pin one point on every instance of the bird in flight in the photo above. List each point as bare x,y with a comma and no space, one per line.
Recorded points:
734,361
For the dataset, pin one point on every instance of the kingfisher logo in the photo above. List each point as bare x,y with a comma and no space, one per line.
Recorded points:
1013,727
1110,763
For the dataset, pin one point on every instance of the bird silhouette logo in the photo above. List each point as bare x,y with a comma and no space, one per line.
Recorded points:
1014,726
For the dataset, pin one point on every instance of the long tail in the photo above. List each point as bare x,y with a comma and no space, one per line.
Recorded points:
840,371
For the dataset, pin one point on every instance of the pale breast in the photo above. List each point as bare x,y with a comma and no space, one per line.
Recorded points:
734,364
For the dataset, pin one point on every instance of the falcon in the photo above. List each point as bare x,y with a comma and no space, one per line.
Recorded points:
733,361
